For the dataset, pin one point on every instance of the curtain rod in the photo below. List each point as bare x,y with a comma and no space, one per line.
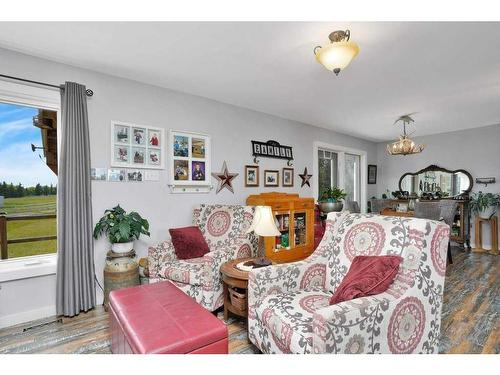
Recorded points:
89,92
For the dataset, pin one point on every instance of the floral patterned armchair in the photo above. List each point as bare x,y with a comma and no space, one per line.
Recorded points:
224,228
289,309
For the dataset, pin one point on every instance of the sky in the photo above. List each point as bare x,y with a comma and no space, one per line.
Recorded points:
18,164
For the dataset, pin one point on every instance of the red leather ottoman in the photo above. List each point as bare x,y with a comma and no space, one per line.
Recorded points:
160,318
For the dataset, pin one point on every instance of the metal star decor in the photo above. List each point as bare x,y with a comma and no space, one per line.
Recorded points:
225,179
305,178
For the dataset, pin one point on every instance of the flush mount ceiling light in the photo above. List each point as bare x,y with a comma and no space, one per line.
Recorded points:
404,146
339,53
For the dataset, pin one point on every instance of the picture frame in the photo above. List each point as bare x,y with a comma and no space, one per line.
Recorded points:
135,175
99,174
251,176
287,177
372,174
271,178
189,163
134,145
116,175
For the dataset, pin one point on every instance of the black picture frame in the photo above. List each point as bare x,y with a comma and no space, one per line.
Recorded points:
372,174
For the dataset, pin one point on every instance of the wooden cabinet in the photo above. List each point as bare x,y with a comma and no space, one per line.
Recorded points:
295,221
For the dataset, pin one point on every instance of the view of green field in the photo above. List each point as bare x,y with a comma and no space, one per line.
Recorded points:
31,205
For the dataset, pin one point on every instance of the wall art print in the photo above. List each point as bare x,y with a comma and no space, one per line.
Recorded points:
188,160
136,146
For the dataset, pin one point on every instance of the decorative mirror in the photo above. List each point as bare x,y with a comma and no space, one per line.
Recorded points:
434,179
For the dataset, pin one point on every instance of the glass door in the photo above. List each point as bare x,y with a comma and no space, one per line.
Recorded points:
299,229
352,177
282,242
341,169
327,170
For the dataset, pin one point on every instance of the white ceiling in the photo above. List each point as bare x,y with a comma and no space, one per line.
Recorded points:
447,72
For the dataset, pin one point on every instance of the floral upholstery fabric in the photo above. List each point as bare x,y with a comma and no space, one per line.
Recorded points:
404,319
287,317
224,228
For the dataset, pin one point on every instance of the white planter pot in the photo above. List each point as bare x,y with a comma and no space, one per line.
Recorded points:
487,212
122,247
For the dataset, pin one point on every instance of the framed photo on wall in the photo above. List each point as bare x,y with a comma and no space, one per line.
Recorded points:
252,176
271,178
287,177
372,174
136,146
188,160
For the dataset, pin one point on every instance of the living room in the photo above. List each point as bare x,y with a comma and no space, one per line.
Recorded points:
294,187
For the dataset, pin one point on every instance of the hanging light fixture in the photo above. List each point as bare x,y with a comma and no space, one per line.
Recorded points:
404,146
339,53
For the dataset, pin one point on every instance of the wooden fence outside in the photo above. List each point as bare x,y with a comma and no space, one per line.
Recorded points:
4,241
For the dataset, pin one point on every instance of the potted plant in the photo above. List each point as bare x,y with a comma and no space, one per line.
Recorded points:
331,200
122,228
484,204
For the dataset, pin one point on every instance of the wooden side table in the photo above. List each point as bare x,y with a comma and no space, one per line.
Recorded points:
233,277
493,221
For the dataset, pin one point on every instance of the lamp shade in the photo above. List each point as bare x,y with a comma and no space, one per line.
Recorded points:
263,222
336,56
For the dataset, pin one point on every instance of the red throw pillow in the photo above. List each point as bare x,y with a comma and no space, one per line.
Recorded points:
188,242
368,275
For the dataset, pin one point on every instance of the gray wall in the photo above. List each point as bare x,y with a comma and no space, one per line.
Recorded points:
231,129
475,150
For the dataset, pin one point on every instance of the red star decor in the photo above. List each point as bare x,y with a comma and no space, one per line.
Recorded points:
305,178
225,178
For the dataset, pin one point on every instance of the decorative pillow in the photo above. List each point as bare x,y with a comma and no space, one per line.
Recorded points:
368,275
188,242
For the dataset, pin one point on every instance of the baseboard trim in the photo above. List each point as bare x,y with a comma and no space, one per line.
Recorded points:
26,316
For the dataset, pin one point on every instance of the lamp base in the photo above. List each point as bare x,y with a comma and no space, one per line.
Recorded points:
261,262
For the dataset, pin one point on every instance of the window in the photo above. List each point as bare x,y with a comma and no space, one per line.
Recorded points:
341,167
28,181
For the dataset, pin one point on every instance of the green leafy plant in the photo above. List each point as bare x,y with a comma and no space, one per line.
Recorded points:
333,195
481,201
120,226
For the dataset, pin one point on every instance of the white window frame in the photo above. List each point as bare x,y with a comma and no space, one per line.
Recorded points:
341,151
41,98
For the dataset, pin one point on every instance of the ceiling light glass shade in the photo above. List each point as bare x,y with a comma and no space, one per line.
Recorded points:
263,222
337,55
404,146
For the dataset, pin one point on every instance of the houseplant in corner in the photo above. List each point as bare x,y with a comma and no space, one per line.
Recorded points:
122,228
331,200
484,204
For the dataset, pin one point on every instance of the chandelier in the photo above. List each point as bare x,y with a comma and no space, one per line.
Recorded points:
339,53
404,146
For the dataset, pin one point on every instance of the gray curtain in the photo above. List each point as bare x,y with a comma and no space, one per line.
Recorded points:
75,246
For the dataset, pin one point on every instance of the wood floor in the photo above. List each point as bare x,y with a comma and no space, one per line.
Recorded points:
470,318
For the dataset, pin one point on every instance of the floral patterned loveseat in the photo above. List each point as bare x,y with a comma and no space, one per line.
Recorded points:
224,228
289,309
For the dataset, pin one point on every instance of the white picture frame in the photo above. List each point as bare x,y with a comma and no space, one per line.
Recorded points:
189,161
137,146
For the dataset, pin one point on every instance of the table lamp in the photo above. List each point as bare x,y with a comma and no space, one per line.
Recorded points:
263,225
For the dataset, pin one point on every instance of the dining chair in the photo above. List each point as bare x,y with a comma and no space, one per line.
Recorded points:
448,209
352,207
427,210
378,205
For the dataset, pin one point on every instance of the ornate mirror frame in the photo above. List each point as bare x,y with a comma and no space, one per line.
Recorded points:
435,168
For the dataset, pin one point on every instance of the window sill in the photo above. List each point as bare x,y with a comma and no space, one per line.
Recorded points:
23,268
